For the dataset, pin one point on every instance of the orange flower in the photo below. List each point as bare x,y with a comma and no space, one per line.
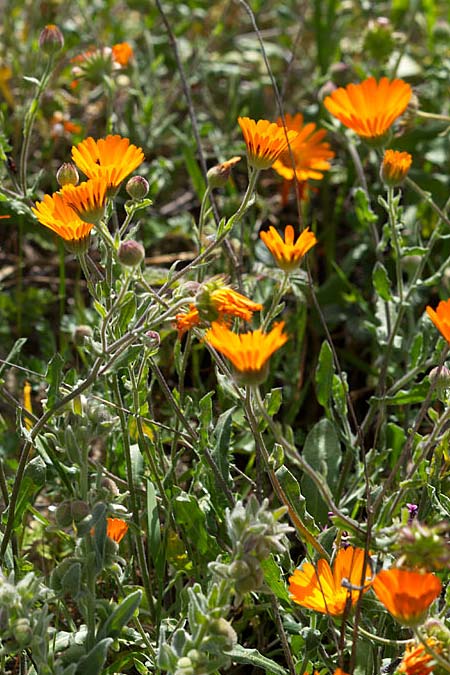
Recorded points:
395,167
416,660
55,213
370,108
323,590
310,154
122,53
265,141
339,671
27,404
187,320
288,255
112,158
87,199
405,594
5,216
441,318
249,352
215,304
116,529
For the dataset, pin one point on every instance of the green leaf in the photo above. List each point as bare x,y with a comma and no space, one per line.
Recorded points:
273,401
11,355
92,663
154,529
417,394
120,616
324,374
363,210
274,579
322,451
381,281
297,501
221,451
253,657
54,376
127,311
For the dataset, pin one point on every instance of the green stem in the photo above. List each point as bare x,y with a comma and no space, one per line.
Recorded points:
29,123
275,301
432,116
393,224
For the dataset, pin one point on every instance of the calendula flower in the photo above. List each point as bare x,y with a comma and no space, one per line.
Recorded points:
116,529
441,318
288,254
215,302
416,660
330,592
406,594
248,352
55,213
311,155
87,199
395,167
112,158
122,53
370,108
265,141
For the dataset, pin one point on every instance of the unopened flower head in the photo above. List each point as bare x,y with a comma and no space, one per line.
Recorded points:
248,352
112,158
310,153
327,590
137,187
422,546
67,174
407,595
87,199
55,213
441,318
265,141
219,174
51,40
131,253
370,108
288,254
395,167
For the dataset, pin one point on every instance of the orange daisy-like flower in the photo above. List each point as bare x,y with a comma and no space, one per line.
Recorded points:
370,108
216,304
288,255
112,158
395,167
122,53
249,352
323,590
87,199
265,141
55,213
405,594
441,318
310,154
416,660
116,529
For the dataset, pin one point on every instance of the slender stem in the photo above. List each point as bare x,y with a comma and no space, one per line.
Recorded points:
432,116
276,297
282,634
381,640
428,198
398,256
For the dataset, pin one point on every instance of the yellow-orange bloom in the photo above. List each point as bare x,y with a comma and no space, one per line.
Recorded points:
249,352
405,594
288,254
112,158
122,53
87,199
370,108
216,305
441,318
27,404
416,660
323,590
116,529
395,167
55,213
339,671
310,153
265,141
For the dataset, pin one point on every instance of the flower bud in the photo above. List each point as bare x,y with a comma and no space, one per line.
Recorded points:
64,514
51,40
221,628
218,175
137,187
81,333
131,253
67,174
22,632
395,167
152,339
79,510
109,485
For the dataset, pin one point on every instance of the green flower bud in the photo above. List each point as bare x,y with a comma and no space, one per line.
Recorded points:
64,514
79,510
22,632
81,333
51,40
137,187
67,174
131,253
221,628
